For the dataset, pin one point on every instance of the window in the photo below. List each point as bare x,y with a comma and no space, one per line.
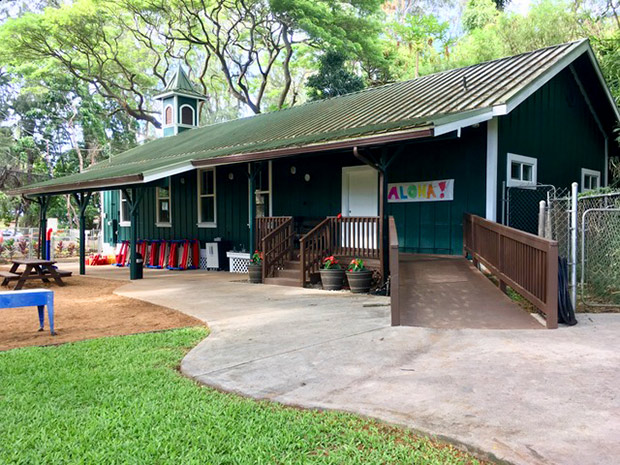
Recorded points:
262,192
162,198
207,214
168,116
187,115
590,179
522,171
125,215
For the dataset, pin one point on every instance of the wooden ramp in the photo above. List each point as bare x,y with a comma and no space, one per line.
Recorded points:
448,292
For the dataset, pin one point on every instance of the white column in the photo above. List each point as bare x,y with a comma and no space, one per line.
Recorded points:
491,187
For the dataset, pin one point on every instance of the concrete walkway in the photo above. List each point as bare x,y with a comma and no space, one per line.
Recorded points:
524,396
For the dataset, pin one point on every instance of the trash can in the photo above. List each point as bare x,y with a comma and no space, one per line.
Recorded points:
139,266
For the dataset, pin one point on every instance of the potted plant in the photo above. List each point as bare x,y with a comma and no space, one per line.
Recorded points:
358,276
332,274
255,267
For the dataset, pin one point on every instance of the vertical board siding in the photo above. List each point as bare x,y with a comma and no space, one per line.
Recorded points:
437,227
232,210
556,127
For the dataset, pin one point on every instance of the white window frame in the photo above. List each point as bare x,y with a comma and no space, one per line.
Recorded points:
593,173
158,222
207,224
123,222
169,125
181,123
523,160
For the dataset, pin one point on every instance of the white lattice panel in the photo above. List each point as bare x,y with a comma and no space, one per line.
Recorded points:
238,262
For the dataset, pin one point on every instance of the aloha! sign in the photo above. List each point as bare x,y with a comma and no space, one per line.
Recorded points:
423,191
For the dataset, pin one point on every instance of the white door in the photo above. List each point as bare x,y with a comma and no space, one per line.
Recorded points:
360,190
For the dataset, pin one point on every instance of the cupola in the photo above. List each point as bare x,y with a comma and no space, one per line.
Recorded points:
179,104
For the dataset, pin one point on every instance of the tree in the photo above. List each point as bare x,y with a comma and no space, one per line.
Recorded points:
333,78
85,39
125,48
418,33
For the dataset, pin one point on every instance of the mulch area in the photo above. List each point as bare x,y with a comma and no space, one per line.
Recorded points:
86,308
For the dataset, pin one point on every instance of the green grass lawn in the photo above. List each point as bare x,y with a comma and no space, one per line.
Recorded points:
121,400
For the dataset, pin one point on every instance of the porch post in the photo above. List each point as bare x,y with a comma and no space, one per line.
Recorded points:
252,177
133,196
82,199
43,202
383,226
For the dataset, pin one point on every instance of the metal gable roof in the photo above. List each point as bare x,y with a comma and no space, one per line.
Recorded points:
432,104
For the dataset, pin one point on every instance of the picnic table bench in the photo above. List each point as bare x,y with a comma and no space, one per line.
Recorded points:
30,298
34,269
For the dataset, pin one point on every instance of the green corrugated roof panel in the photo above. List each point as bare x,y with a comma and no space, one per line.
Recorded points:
422,102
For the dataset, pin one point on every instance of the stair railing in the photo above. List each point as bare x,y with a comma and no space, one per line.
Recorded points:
352,236
265,225
277,247
313,247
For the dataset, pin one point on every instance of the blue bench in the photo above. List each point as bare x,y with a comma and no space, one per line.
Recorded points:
31,298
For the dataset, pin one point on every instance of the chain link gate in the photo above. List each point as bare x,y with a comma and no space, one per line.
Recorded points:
600,249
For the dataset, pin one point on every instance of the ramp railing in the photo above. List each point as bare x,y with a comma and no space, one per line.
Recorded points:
523,261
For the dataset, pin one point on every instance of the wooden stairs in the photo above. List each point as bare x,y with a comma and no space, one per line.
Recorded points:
289,275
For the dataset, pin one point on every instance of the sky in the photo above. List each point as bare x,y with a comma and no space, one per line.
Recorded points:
519,6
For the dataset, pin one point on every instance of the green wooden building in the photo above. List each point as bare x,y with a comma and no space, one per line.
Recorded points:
424,151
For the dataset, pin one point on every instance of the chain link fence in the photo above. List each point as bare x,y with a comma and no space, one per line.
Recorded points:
521,205
598,234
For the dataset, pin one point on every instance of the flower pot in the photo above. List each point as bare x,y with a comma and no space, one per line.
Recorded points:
332,279
256,273
359,281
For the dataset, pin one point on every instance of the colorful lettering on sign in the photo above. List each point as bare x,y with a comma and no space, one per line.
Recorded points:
425,191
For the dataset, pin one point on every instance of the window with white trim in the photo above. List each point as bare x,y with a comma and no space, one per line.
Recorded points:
521,170
207,202
125,214
262,190
187,115
590,179
163,206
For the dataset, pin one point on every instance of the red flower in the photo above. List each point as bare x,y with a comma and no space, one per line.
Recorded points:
339,215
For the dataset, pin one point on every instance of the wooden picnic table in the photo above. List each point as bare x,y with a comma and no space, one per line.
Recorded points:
34,269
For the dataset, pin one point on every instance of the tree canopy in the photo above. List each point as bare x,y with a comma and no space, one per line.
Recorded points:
77,78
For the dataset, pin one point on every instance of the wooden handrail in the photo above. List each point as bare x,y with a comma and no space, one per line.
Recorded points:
394,272
277,246
523,261
313,247
353,236
266,224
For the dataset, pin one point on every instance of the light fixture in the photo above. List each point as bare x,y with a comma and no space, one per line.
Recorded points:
182,181
307,177
293,170
231,176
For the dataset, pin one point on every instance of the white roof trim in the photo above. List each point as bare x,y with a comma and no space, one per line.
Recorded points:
522,94
154,175
442,127
519,96
171,93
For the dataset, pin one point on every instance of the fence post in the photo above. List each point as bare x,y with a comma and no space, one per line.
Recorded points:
541,218
573,244
552,286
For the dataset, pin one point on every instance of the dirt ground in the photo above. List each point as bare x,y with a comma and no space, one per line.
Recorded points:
86,308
